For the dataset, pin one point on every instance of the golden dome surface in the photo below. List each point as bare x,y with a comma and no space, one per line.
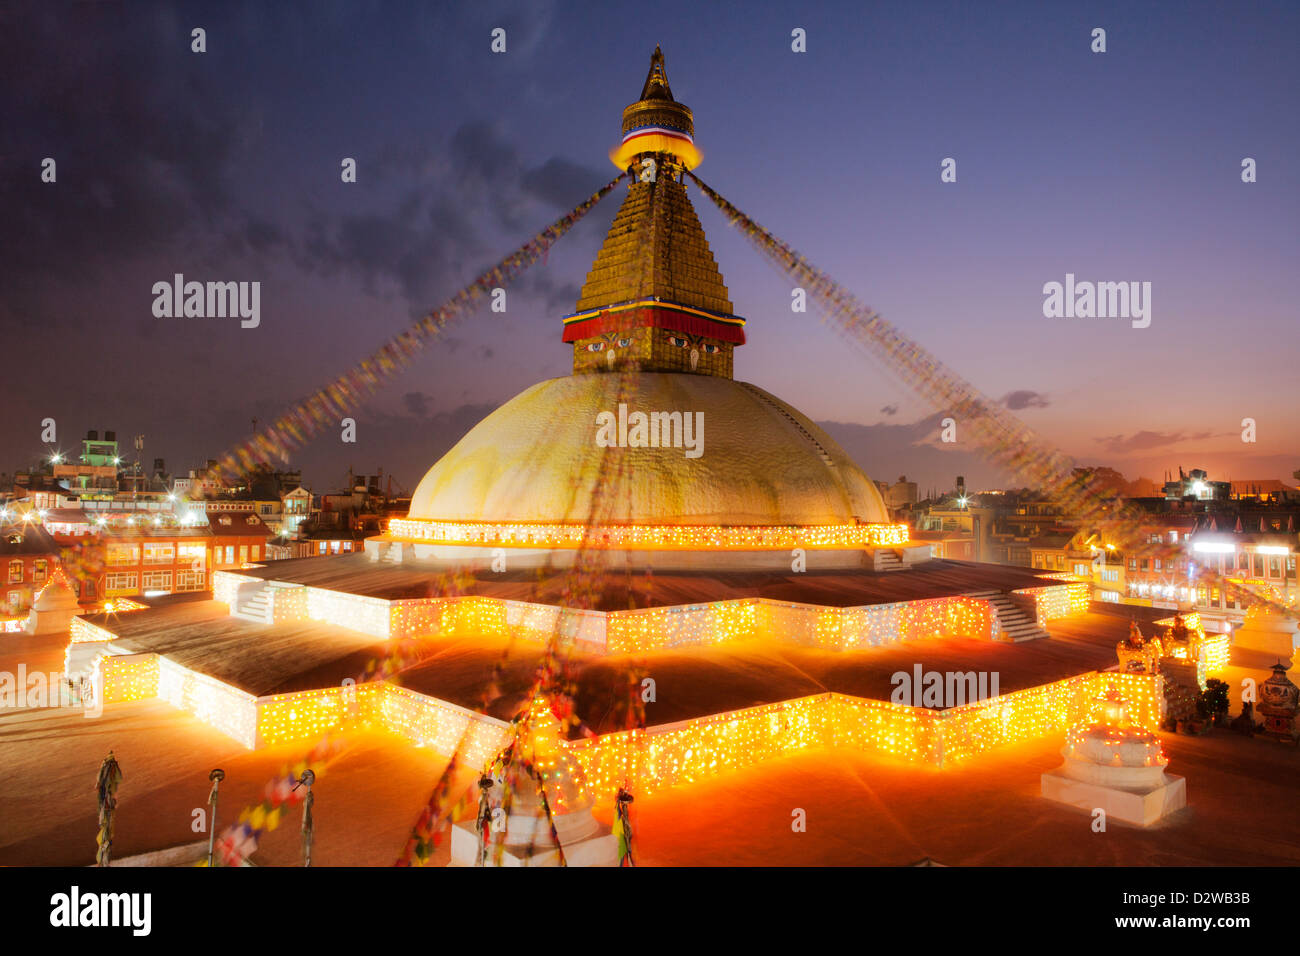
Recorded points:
537,459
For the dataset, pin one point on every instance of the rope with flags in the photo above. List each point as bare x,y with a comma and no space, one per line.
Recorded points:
329,404
998,434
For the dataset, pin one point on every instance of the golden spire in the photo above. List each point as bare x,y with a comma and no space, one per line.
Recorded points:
656,124
656,81
654,298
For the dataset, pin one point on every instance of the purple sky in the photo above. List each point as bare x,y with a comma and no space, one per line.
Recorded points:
225,166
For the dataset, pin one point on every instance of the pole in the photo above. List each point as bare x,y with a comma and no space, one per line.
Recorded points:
308,825
110,775
216,777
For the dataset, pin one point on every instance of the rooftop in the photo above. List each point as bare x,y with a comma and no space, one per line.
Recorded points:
357,574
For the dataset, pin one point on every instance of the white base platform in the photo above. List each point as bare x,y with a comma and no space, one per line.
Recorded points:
598,850
1141,806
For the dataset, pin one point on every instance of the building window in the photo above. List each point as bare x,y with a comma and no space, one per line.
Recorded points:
15,599
243,554
16,571
195,555
39,570
157,580
1157,563
119,554
189,580
256,550
121,581
230,554
159,553
1110,576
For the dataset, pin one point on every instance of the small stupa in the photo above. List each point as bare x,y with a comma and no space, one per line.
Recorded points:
548,820
1113,766
54,608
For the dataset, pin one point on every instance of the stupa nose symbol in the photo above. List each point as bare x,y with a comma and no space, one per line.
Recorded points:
695,359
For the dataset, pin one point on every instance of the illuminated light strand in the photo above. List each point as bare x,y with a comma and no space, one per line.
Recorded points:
121,605
1057,601
126,677
651,537
645,629
214,702
663,756
997,434
82,631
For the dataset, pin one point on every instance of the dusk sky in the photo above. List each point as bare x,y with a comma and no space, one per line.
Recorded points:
225,166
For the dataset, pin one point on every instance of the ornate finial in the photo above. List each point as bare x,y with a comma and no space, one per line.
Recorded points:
656,82
656,124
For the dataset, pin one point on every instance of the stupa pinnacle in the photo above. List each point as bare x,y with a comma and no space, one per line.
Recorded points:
654,306
654,299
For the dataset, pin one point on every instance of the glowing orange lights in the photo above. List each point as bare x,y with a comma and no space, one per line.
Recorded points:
1059,600
121,605
647,537
127,677
83,632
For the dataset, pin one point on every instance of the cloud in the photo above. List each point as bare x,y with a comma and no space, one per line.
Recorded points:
1024,398
417,403
561,182
145,167
886,450
1146,440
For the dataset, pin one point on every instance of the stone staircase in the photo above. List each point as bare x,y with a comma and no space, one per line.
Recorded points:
1016,624
886,560
251,604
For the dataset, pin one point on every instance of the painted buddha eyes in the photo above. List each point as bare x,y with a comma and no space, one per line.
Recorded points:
624,343
683,343
596,347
